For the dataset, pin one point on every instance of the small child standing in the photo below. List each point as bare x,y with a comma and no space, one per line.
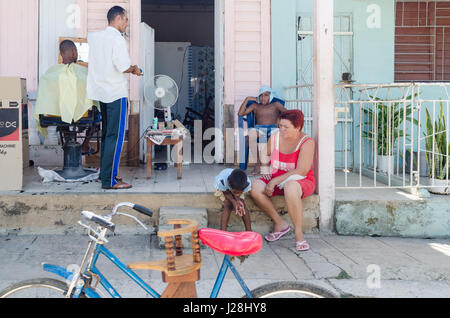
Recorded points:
230,187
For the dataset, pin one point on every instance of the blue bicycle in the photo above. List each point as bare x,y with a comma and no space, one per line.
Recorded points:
180,271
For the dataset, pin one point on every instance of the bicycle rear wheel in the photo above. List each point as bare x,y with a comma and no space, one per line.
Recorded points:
291,290
36,288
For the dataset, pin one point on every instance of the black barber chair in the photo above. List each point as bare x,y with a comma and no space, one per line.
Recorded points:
70,134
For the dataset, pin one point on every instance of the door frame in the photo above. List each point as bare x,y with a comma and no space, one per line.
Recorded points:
219,56
219,66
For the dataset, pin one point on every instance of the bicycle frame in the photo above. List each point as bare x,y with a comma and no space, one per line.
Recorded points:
101,250
221,276
92,270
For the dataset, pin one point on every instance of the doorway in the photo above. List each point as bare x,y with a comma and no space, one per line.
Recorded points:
185,50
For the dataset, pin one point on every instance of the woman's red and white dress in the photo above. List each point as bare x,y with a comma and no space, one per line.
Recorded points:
282,163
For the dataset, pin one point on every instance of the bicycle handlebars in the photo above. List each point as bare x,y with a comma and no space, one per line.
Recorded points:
136,207
99,220
105,220
143,210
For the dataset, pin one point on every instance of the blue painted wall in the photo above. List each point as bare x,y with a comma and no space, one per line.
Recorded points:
373,52
373,46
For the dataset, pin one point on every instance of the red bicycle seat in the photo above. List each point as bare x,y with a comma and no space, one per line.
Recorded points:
233,244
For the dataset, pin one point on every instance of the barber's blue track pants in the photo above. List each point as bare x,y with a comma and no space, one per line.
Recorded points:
113,134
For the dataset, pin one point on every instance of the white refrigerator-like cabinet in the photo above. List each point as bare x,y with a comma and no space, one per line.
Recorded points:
147,64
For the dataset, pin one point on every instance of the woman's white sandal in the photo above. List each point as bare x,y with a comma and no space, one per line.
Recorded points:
302,246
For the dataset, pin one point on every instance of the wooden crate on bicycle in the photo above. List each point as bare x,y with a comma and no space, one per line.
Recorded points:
179,270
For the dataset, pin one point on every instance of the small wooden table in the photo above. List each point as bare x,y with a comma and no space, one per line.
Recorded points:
167,141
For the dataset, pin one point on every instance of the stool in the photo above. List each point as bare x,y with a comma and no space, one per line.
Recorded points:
168,141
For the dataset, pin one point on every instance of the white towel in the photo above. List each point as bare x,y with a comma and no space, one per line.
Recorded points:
294,177
157,139
53,176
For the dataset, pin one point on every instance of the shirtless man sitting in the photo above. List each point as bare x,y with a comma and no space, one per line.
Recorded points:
266,114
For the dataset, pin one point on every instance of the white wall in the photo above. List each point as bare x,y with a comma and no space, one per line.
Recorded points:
169,57
55,20
147,63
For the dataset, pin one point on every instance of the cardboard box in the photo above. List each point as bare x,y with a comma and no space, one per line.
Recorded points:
13,97
13,89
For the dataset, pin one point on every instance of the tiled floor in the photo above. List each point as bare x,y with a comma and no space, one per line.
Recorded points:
196,179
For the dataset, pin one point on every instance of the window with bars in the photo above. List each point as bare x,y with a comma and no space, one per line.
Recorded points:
422,41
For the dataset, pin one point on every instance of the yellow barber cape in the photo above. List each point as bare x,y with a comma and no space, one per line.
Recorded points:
62,92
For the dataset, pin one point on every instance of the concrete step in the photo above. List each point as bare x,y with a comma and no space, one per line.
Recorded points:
355,214
58,213
412,218
170,213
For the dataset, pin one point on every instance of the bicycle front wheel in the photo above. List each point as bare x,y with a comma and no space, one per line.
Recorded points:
291,290
36,288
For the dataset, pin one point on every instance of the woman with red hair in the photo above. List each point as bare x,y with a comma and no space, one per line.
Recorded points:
291,164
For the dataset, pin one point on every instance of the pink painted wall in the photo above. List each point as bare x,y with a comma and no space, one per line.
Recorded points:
247,42
93,18
247,48
19,40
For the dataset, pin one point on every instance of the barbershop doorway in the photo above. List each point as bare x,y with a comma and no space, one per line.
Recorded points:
185,48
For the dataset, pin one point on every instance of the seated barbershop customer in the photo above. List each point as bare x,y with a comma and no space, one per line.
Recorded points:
291,162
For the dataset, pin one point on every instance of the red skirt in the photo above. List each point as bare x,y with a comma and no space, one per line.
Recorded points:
308,187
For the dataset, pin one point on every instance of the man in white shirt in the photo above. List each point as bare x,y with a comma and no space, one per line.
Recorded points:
109,62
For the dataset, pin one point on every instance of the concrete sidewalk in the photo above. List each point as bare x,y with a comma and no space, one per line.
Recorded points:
347,265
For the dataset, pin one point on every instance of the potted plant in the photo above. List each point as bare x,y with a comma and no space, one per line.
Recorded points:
383,123
437,148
